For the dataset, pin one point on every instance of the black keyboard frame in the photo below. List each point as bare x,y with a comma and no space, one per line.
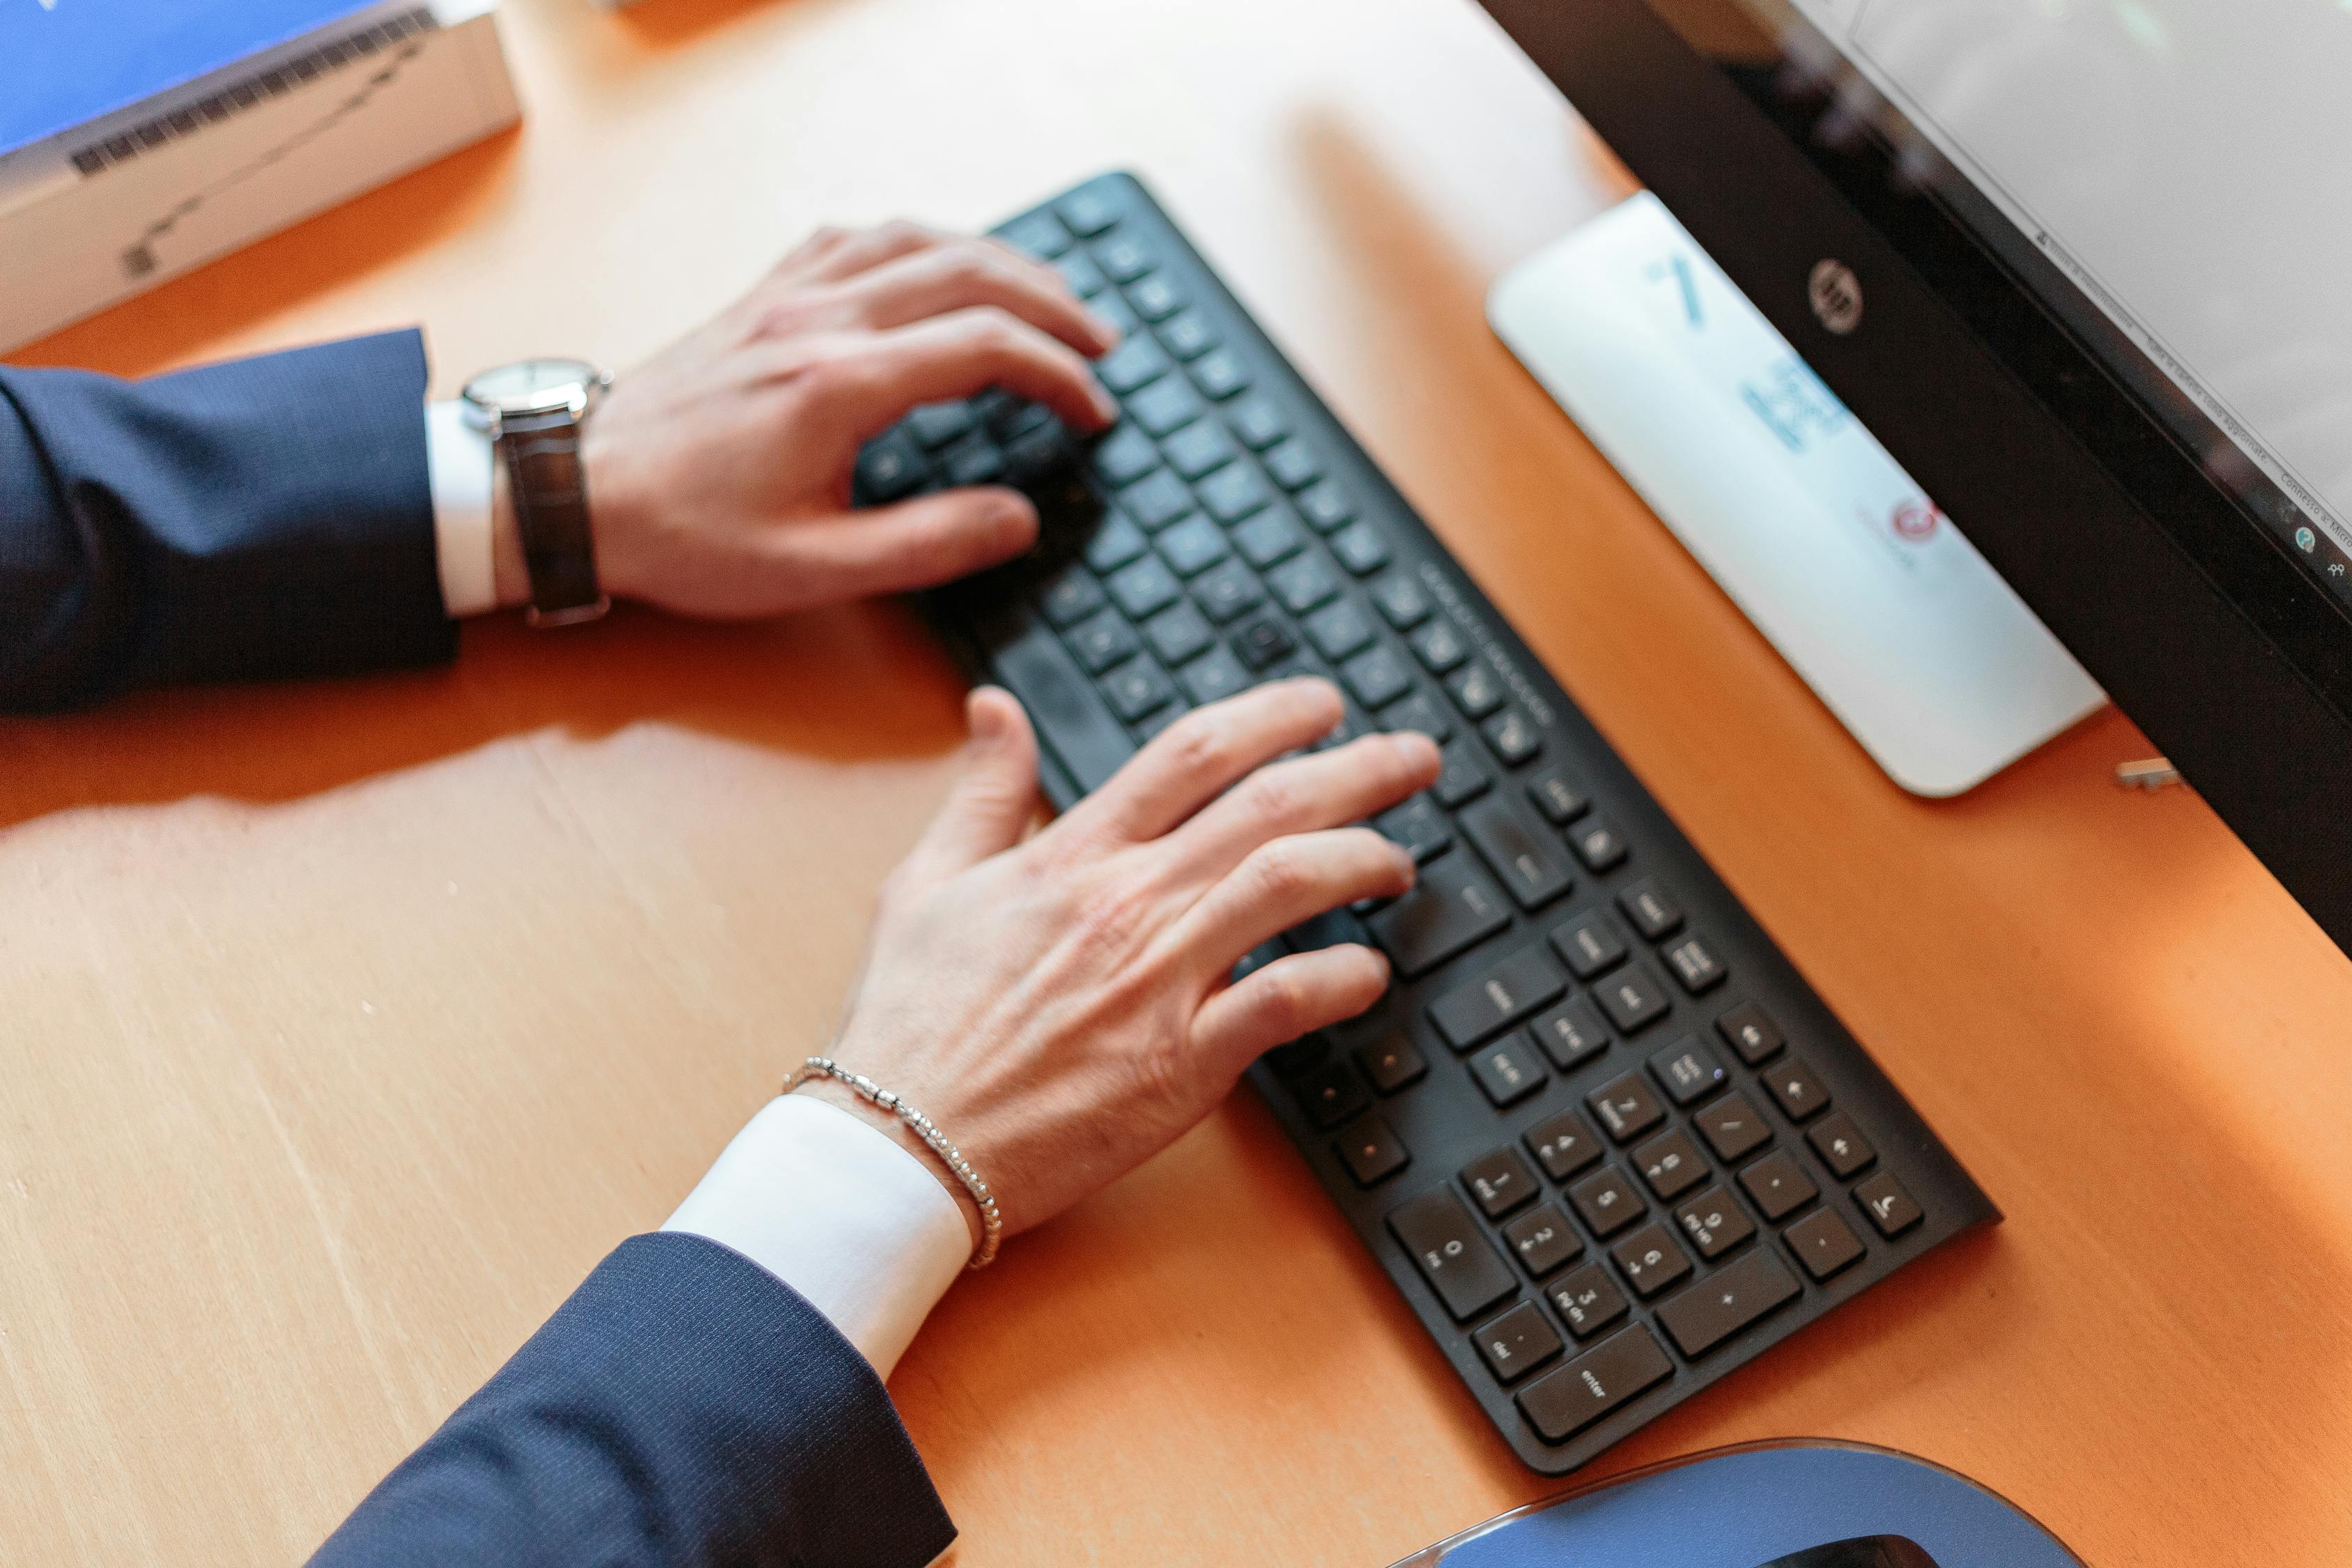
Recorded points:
1444,1120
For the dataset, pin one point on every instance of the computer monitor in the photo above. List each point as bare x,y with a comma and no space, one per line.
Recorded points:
2084,267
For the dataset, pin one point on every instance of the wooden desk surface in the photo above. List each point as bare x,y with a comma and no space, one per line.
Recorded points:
342,1028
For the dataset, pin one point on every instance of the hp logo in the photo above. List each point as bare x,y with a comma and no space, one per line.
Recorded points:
1836,295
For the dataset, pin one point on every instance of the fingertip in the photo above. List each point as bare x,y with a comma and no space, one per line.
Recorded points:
1419,753
1107,337
1106,406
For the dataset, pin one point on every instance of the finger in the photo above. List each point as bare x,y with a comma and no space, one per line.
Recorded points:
1198,757
880,376
1289,997
995,793
958,274
1289,880
916,543
1347,784
831,254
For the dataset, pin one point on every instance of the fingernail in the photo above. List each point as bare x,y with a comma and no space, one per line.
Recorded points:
1105,333
1105,405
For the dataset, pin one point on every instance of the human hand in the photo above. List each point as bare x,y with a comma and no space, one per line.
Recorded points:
718,472
1060,1007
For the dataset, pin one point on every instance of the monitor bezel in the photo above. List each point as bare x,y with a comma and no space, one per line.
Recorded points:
2243,688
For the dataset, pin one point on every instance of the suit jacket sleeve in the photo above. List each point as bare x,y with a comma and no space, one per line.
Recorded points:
683,1407
266,518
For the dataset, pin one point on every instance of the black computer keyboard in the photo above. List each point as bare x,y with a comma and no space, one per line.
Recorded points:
1605,1141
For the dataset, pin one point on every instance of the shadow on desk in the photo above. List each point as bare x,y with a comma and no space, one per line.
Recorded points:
847,685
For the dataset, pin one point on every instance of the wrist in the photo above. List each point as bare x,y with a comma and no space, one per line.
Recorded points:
833,1093
509,571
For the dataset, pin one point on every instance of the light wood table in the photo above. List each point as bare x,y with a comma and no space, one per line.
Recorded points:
343,1027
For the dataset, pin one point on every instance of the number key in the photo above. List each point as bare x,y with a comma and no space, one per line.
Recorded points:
1543,1240
1500,1181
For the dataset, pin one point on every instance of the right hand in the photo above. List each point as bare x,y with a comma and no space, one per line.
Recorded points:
719,473
1060,1005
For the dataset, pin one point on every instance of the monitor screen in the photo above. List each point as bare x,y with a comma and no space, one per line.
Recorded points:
2170,179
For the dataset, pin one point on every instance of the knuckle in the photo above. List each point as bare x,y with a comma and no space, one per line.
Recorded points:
1281,1003
1201,745
901,231
1283,871
1274,795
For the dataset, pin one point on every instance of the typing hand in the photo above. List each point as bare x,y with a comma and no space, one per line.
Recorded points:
718,474
1059,1007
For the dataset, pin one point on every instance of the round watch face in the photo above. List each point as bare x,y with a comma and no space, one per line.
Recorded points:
530,383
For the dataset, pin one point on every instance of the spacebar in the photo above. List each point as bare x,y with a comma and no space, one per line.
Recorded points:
1070,715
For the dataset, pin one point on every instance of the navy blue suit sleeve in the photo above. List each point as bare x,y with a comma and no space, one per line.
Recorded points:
268,518
684,1407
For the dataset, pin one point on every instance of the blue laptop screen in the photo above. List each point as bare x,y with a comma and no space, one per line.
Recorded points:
63,62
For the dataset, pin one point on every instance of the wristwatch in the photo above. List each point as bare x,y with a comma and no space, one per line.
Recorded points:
532,412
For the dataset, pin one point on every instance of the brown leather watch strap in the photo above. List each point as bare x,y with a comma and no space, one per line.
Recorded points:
550,492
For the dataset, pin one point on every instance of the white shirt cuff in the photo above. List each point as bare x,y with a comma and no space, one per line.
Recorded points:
458,457
836,1209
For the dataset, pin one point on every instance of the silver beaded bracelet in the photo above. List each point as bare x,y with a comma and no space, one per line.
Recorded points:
992,1223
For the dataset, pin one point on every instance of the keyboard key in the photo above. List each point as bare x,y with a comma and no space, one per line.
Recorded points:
1271,536
1749,1030
1571,1034
1166,406
1418,712
889,468
1890,1209
976,462
1377,678
1156,298
1330,1094
1332,927
1449,911
1403,603
1543,1241
1258,421
1136,688
1606,1200
1115,310
1187,335
1126,455
1463,778
1032,456
1518,1342
1360,549
1087,211
1070,596
1733,1127
1715,1223
1499,1181
1440,649
1841,1145
1263,643
1037,234
1671,1164
1626,1106
936,424
1392,1062
1199,448
1417,827
1779,1185
1218,373
1651,1260
1558,796
1696,965
1338,631
1633,998
1144,589
1065,706
1372,1151
1587,1300
1123,258
1213,677
1116,542
1651,909
1823,1242
1078,271
1497,997
1232,492
1294,465
1530,864
1228,592
1302,583
1688,1072
1135,364
1326,508
1589,943
1460,1264
1563,1145
1512,737
1477,690
1178,634
1101,642
1157,499
1007,416
1193,546
1561,1404
1801,1094
1597,845
1727,1301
